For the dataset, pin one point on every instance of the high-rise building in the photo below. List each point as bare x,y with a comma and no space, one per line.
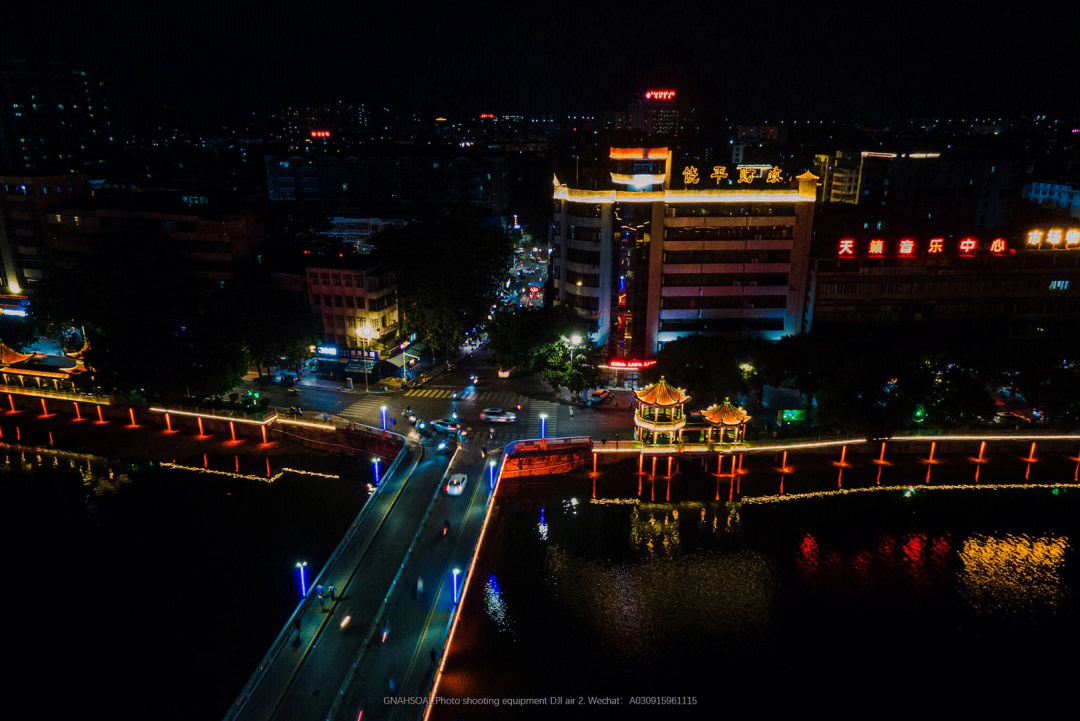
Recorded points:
1020,287
657,112
25,202
653,255
54,119
973,191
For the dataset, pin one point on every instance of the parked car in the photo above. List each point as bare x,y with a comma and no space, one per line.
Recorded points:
286,378
456,485
445,425
497,415
599,395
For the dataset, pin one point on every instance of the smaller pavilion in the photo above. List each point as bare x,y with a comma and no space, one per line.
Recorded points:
726,418
660,413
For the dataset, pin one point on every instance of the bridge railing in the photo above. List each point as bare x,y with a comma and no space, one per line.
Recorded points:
282,638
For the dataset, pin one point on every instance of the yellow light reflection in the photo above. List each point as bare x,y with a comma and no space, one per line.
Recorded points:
1012,573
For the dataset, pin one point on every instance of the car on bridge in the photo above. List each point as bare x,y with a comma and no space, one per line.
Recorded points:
445,425
456,485
497,415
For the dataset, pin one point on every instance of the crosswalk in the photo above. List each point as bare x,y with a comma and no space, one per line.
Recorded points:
366,410
547,408
501,399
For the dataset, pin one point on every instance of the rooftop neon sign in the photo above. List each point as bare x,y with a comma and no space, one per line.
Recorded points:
910,248
659,94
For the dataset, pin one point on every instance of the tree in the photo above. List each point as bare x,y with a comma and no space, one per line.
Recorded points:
704,365
151,324
518,338
448,270
271,323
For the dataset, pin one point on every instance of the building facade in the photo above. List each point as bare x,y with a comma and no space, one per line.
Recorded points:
1062,196
976,192
54,119
25,203
353,303
659,255
212,243
1028,286
394,182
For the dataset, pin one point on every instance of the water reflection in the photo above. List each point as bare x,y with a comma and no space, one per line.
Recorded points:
1014,573
626,594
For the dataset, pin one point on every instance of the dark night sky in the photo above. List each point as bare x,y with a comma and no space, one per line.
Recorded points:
753,61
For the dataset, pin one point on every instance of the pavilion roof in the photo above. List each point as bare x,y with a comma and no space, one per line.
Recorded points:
9,356
662,393
725,414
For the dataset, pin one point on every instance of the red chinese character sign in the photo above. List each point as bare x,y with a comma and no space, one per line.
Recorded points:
965,247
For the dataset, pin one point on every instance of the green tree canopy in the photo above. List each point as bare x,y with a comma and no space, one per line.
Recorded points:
272,323
150,322
448,269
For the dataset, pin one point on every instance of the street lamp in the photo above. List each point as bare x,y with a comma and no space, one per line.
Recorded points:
457,572
383,409
303,582
366,333
543,424
491,475
375,460
574,341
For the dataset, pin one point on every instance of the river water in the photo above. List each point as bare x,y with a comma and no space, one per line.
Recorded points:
872,604
151,592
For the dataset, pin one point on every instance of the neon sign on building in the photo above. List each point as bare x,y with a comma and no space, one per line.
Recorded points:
909,247
1054,239
659,94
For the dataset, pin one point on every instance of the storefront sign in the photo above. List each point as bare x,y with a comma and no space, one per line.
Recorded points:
624,363
910,247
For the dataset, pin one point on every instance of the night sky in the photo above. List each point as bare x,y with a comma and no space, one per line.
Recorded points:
755,61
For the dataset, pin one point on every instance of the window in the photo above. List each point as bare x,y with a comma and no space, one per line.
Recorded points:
326,301
338,302
337,279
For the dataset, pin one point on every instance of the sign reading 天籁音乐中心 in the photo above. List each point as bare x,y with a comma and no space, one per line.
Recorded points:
911,247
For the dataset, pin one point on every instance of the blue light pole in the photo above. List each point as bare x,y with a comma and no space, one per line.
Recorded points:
375,460
383,417
491,475
303,582
457,572
543,425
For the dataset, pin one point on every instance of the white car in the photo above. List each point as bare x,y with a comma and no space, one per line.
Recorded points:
456,485
497,415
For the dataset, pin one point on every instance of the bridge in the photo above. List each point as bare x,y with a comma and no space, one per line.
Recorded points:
333,659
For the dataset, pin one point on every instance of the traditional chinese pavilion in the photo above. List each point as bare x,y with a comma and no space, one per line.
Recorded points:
660,413
729,420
